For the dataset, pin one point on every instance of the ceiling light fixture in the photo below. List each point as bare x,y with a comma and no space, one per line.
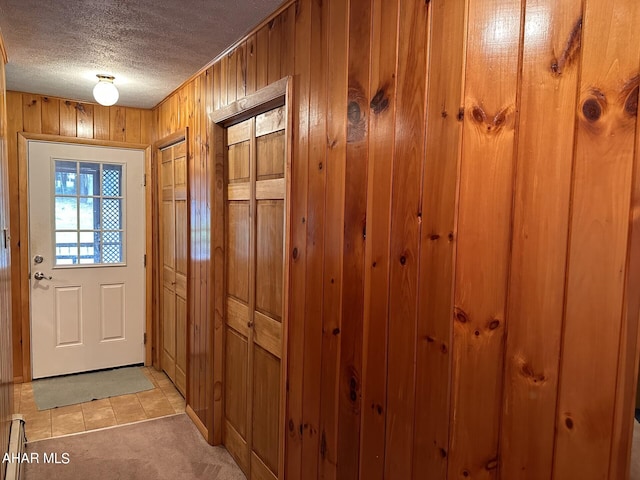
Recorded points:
105,92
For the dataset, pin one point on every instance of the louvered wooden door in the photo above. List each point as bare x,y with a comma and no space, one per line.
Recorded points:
255,223
173,254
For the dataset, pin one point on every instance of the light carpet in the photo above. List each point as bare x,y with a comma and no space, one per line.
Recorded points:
84,387
166,448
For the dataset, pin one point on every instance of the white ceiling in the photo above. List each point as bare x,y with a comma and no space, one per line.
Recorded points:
56,47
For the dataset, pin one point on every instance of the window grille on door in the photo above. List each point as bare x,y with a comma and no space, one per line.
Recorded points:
89,213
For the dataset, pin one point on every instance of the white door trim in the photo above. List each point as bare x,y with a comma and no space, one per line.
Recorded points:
24,284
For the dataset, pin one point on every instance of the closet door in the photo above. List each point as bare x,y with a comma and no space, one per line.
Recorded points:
255,223
173,254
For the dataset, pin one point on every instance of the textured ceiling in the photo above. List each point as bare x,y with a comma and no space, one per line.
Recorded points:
56,47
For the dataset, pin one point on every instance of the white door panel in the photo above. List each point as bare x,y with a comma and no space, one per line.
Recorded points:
86,221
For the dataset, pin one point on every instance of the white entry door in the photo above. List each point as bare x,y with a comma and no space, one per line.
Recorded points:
87,240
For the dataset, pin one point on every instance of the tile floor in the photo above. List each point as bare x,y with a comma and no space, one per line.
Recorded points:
163,400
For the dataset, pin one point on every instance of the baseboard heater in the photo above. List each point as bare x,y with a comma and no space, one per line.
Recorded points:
17,441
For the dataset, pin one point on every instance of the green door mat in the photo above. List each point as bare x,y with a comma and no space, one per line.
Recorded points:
84,387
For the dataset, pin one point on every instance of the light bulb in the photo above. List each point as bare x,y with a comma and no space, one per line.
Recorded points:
105,92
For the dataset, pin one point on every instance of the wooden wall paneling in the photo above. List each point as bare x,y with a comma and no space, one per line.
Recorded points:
117,124
200,193
355,211
216,284
217,86
597,264
84,125
287,47
224,80
232,76
241,70
203,256
175,112
101,122
438,239
68,118
275,50
251,56
262,57
540,231
194,273
482,263
146,126
195,196
14,125
31,113
334,225
314,294
133,122
629,356
160,129
376,288
406,219
50,116
298,251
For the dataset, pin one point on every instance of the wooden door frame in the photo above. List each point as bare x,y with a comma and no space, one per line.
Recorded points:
23,202
274,95
168,141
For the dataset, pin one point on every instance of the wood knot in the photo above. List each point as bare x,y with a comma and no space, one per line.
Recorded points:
443,453
494,324
460,315
631,102
353,112
569,423
478,114
353,389
450,236
295,253
356,113
492,464
434,236
460,115
403,260
379,102
291,425
336,331
591,109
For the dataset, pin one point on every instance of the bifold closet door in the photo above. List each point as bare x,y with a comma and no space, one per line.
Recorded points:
173,274
255,223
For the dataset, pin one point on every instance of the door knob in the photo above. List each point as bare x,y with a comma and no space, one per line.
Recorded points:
41,276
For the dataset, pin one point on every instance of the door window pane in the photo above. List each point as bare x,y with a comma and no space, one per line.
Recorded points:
89,227
66,213
66,248
89,179
65,177
89,213
112,214
112,181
